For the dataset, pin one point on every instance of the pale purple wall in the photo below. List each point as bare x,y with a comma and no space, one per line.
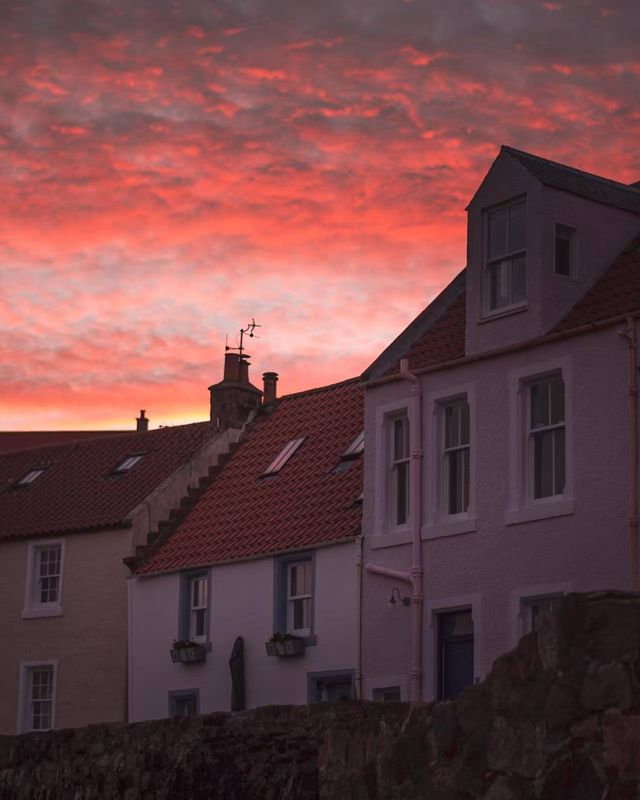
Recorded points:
489,565
602,233
241,605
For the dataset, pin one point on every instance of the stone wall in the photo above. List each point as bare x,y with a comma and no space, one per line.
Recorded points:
558,718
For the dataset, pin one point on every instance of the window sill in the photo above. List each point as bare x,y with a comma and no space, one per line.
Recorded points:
543,510
451,527
35,613
507,311
391,539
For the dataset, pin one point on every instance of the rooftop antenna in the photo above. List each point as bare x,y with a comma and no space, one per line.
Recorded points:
250,330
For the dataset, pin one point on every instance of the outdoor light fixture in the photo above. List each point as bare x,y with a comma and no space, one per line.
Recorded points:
404,600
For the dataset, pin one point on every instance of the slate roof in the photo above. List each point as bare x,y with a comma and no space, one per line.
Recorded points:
20,440
307,503
77,492
584,184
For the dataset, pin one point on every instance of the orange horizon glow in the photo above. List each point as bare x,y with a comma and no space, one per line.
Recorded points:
172,170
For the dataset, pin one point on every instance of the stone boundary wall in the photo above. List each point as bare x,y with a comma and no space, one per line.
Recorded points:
558,718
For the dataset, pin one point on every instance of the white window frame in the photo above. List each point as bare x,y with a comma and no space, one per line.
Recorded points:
438,522
522,506
573,266
201,608
523,595
504,261
534,432
290,599
32,605
395,464
25,688
450,452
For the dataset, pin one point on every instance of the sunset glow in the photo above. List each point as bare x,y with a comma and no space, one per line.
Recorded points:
172,169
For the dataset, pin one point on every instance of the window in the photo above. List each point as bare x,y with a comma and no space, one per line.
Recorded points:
332,686
355,448
37,697
183,703
128,463
506,261
535,612
194,607
198,609
299,598
546,438
456,457
43,591
565,251
30,477
294,580
400,470
281,459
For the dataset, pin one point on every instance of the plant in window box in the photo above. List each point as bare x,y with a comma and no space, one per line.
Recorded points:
285,644
185,651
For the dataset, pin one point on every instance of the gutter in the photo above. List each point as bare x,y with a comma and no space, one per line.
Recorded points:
415,574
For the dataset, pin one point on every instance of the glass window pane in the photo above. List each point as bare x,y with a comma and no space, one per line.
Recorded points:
543,464
294,581
539,405
306,574
301,614
556,389
497,244
464,422
499,284
517,227
518,279
402,487
451,425
564,250
465,479
559,461
454,482
400,438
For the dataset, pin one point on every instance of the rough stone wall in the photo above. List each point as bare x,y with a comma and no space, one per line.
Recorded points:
558,718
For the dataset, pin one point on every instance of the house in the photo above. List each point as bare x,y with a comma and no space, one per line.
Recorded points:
69,514
501,432
270,548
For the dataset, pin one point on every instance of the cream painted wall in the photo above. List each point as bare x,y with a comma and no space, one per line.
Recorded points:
89,639
241,605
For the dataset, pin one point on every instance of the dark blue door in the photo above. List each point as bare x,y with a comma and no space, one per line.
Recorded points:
455,653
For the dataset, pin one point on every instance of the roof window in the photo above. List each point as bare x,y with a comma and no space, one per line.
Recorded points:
283,456
128,463
355,448
31,476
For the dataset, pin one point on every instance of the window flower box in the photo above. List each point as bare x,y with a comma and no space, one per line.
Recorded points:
186,652
284,645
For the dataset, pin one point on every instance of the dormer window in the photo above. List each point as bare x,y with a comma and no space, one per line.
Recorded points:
283,456
565,251
506,261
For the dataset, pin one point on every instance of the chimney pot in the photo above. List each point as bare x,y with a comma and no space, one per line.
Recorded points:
270,381
142,423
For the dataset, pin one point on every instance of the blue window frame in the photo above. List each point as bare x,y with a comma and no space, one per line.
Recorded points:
293,595
195,606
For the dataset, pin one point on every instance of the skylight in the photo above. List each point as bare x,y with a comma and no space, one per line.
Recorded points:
128,463
31,476
355,448
283,456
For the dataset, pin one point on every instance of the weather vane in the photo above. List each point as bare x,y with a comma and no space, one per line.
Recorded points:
250,330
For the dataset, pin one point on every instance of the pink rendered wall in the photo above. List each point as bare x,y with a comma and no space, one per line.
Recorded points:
602,232
487,566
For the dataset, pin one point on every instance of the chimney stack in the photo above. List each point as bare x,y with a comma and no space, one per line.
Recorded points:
234,398
270,382
142,423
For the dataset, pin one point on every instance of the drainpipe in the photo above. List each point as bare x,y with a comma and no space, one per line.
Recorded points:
630,335
359,663
414,575
415,520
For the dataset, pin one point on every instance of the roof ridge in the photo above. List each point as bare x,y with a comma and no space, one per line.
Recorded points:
316,389
635,188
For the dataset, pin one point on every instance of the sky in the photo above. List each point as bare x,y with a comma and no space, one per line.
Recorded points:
171,169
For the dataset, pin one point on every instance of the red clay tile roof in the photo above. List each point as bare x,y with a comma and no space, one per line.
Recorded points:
76,492
21,440
307,503
614,293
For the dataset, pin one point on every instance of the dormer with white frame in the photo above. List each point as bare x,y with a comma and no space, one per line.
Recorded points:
539,235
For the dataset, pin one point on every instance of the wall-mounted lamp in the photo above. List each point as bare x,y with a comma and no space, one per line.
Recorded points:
404,600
